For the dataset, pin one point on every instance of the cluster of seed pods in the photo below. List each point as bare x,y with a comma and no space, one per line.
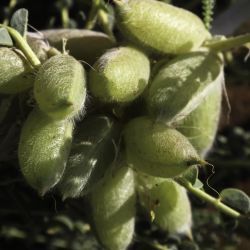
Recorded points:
128,125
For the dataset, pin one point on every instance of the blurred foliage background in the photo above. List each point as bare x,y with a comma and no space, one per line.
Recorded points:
28,221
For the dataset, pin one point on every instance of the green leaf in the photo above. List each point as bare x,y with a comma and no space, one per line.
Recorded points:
5,39
236,199
198,184
19,21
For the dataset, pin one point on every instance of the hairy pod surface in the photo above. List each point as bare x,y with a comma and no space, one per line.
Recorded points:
200,126
43,150
60,87
15,75
86,45
120,75
156,149
113,209
182,84
160,27
169,203
38,45
92,152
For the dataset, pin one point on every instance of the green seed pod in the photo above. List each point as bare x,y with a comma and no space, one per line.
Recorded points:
38,45
120,75
200,126
43,150
155,149
86,45
92,152
15,75
160,27
59,88
169,203
113,209
181,85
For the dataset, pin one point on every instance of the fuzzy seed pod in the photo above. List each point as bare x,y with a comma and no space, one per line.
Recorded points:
86,45
43,150
16,75
60,87
120,75
160,27
169,203
113,209
181,85
155,149
92,152
200,126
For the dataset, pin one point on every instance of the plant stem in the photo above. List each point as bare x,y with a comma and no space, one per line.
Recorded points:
65,17
93,15
103,16
228,43
53,52
208,198
23,46
11,6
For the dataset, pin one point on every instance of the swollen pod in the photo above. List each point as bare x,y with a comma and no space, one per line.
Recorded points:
156,149
182,84
43,150
60,87
200,126
160,27
169,203
113,209
16,75
120,75
86,45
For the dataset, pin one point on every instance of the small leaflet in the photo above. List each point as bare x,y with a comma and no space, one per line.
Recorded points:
236,199
5,39
19,21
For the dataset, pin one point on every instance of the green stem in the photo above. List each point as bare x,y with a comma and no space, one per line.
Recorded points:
65,17
208,198
53,52
93,15
104,19
12,5
23,46
228,43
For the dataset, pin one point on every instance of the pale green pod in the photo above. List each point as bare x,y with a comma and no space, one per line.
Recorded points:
156,149
181,85
16,75
92,152
43,150
86,45
60,87
113,209
200,126
120,75
38,45
160,27
144,182
169,203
